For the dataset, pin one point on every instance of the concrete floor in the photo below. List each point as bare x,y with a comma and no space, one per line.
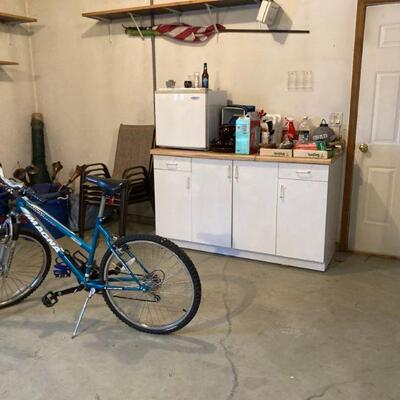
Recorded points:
262,332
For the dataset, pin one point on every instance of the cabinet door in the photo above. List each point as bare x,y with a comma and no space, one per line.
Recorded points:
212,202
173,204
255,188
301,219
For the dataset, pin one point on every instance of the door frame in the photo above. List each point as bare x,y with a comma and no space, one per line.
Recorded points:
355,97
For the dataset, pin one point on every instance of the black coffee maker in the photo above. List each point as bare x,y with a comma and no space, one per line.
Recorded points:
225,143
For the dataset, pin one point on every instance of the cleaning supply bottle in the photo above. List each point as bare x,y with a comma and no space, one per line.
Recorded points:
289,132
304,130
292,133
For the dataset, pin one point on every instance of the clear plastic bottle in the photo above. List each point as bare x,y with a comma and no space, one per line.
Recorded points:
304,130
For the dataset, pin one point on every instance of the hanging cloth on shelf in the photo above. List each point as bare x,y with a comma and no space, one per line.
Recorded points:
181,32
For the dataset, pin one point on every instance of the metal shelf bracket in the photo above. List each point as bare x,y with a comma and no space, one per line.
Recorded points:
175,12
109,23
209,9
132,16
10,27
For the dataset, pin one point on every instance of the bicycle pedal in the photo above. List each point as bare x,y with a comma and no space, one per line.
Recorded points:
50,299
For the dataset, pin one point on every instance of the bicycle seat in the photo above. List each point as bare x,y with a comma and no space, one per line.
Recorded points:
108,185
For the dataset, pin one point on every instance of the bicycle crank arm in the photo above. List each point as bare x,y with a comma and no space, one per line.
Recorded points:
50,299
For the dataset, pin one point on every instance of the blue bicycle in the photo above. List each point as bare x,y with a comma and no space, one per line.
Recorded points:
147,281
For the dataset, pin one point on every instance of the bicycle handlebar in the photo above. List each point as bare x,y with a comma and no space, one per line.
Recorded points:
15,184
10,182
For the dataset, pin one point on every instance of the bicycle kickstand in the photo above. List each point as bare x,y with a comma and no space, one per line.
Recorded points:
90,295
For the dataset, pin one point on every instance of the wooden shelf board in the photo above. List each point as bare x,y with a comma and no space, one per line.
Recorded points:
165,8
8,63
15,19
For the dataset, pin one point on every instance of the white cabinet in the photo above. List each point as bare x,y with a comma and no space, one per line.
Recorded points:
301,219
173,197
212,202
285,213
254,206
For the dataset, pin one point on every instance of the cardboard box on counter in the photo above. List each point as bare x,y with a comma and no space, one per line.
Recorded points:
321,154
276,152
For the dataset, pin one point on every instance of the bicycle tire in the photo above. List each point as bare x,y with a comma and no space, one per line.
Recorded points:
175,251
38,280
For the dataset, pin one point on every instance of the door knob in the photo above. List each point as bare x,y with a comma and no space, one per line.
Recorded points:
363,148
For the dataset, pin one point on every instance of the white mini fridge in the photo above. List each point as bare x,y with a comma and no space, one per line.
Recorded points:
188,118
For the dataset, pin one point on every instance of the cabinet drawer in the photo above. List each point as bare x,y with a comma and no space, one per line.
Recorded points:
304,172
173,163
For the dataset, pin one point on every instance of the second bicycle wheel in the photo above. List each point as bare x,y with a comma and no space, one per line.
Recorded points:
29,266
175,290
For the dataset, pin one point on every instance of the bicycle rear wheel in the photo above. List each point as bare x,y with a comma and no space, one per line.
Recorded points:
29,266
175,292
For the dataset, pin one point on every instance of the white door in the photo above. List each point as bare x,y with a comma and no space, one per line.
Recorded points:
212,202
254,206
173,204
375,213
301,220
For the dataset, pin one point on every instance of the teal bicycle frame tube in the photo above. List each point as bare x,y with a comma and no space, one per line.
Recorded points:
33,212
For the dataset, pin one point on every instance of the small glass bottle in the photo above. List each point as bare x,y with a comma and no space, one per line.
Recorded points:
197,80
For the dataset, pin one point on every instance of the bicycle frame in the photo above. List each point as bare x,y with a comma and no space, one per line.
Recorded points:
31,211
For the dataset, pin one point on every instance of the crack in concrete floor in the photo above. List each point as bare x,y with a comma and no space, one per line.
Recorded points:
325,390
222,342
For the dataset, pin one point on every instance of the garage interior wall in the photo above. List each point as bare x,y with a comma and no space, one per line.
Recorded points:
17,99
86,85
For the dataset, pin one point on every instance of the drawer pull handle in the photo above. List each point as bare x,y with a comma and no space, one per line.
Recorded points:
282,195
303,172
229,172
236,172
172,165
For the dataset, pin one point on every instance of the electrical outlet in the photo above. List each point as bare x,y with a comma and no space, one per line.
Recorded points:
336,119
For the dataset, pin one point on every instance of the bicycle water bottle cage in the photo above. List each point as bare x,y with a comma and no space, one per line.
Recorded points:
80,259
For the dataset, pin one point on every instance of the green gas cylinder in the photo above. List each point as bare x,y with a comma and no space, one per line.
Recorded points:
38,150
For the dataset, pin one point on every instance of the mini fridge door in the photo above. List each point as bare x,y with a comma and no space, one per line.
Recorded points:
181,119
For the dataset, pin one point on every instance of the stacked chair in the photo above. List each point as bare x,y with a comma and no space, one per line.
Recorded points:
133,164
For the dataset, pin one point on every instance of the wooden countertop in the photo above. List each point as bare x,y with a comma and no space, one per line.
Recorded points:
232,156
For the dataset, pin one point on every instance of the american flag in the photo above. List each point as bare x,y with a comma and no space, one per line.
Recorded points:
188,33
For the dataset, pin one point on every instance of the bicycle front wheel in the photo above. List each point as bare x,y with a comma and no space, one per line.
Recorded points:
174,286
28,267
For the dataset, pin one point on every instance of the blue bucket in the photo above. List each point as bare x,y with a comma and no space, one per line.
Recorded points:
57,205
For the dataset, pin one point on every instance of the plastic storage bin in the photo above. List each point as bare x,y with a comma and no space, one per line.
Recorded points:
57,205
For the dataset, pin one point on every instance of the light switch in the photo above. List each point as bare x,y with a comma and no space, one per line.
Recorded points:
336,119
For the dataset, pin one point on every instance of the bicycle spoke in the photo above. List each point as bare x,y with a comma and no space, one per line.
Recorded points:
168,280
26,266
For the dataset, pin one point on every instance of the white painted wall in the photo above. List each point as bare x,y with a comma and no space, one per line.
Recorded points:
253,68
16,91
87,86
